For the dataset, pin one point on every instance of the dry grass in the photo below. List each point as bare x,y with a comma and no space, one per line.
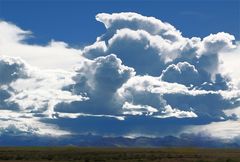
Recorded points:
75,154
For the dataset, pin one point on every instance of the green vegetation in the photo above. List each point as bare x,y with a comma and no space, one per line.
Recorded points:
75,154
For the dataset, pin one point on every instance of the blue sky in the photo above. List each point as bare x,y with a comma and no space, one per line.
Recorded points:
74,21
122,68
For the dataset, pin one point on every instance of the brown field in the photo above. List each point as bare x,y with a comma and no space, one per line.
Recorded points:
75,154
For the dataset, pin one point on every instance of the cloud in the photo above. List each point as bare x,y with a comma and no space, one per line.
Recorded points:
170,112
31,88
95,50
13,42
11,33
27,93
144,95
130,109
230,63
141,48
138,40
140,73
234,113
138,47
183,73
15,123
42,93
99,80
214,43
12,69
210,49
136,21
223,130
165,96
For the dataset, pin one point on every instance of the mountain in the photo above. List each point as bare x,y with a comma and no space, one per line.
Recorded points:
89,140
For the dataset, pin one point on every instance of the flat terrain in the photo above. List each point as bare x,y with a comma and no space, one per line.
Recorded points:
75,154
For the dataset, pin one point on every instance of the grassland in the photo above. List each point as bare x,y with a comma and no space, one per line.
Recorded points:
75,154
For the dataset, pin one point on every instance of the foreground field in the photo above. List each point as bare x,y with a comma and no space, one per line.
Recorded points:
74,154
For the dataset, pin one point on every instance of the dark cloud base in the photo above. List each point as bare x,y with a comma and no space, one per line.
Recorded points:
132,125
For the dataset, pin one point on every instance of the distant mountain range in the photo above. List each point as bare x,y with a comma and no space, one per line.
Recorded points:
89,140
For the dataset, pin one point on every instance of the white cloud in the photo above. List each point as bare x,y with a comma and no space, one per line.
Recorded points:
11,33
42,91
95,50
99,80
170,112
183,73
149,45
214,43
142,48
235,112
30,92
146,96
79,115
131,109
141,67
13,43
225,130
12,69
230,64
138,47
15,123
152,91
136,21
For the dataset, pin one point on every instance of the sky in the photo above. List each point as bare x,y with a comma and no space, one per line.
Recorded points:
122,68
74,21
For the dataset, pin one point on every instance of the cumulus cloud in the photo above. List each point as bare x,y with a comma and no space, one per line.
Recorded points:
136,21
137,47
12,69
141,49
229,64
99,80
152,91
214,43
138,40
145,94
141,69
183,73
